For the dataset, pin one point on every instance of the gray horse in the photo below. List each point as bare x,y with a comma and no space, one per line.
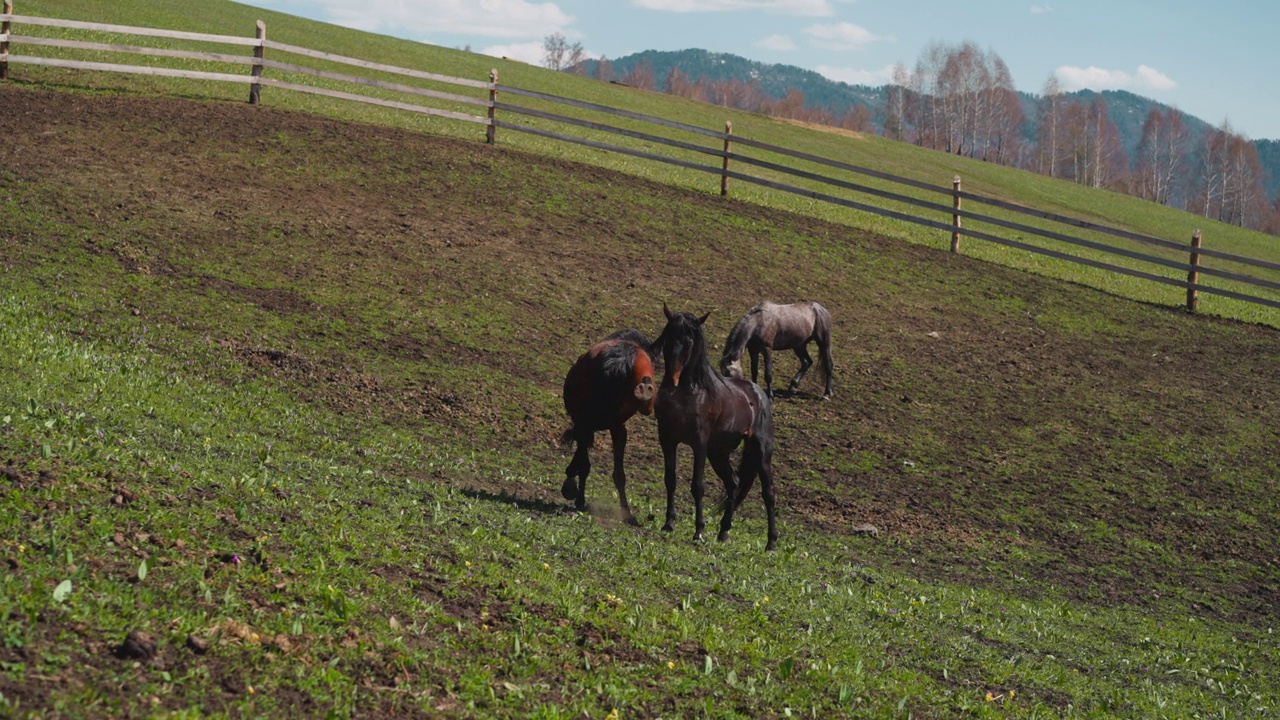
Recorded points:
768,327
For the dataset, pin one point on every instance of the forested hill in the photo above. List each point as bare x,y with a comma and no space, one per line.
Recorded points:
1127,110
775,80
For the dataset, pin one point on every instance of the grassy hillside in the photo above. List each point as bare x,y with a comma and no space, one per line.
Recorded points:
936,168
300,431
280,391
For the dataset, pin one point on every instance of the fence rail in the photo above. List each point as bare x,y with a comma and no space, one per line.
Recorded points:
724,168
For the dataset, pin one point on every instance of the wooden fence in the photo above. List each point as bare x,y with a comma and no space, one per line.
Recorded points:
954,206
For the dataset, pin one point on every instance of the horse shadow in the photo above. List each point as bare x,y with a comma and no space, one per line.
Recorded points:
603,514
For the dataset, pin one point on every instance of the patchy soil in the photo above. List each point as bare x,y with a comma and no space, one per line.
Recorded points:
982,417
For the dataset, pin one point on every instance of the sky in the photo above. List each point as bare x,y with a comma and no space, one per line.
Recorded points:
1218,61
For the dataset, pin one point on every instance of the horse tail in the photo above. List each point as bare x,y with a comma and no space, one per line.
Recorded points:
822,334
758,448
738,338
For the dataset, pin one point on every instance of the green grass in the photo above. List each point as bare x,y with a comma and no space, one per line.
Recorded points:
329,586
309,420
1028,189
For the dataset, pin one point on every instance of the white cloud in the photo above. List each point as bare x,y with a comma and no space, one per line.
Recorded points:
841,36
429,18
1096,78
781,43
1153,79
854,76
1041,9
785,7
530,52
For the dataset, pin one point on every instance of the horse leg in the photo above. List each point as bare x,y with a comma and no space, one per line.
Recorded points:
768,371
757,459
755,365
720,463
828,368
619,434
806,362
748,468
669,479
766,489
579,467
699,470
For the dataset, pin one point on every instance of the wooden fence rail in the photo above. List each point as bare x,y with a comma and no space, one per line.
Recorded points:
726,148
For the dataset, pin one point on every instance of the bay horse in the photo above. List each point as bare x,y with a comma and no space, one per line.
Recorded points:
713,415
606,386
768,327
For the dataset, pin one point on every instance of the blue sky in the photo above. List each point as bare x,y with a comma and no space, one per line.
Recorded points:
1219,61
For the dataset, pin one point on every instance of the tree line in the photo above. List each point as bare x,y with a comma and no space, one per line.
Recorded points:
960,99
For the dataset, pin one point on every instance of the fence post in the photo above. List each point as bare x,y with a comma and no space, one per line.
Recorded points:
955,217
1193,275
491,132
724,176
258,50
4,46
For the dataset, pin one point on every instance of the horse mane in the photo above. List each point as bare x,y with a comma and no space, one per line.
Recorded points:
698,372
742,332
609,383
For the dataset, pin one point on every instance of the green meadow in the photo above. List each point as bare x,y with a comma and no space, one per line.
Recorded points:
280,396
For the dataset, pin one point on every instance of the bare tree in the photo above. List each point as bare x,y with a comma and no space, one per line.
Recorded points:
577,59
640,76
930,112
1048,127
895,123
1109,161
857,119
1161,154
790,106
1003,137
1243,200
554,47
1211,162
604,69
678,84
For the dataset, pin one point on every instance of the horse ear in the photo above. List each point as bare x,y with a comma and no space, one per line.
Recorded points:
665,311
704,317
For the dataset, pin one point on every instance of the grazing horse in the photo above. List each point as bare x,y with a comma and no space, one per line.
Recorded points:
713,415
606,386
768,327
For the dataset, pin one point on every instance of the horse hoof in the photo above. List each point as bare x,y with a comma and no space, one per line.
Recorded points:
723,536
668,528
569,490
771,547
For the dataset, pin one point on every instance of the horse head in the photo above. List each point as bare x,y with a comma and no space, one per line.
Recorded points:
682,343
731,367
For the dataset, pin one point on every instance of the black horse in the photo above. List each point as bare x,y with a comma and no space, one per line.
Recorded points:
768,327
606,386
713,415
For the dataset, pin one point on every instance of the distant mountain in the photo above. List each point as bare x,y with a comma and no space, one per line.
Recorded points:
775,80
1128,111
1269,156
